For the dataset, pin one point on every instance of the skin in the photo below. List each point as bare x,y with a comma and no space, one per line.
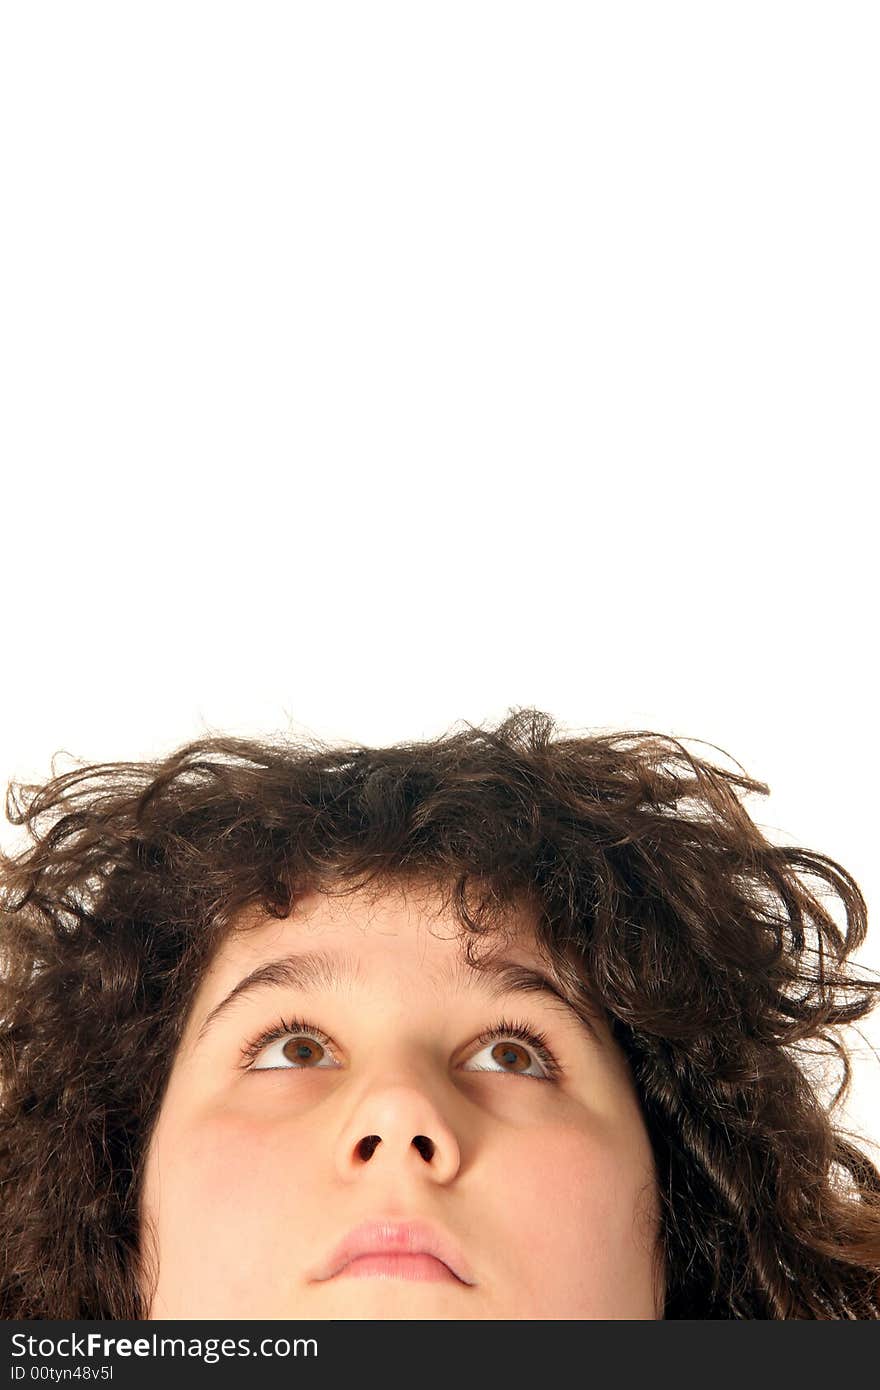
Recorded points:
252,1177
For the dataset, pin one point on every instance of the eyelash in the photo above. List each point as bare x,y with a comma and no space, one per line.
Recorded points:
504,1028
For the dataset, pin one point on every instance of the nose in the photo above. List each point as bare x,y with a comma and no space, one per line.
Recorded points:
401,1130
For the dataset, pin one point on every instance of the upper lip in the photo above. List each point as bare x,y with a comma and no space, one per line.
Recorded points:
388,1237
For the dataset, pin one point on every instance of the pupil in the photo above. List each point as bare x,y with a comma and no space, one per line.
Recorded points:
510,1056
301,1051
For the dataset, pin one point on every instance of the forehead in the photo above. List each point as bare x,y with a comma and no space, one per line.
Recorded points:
401,925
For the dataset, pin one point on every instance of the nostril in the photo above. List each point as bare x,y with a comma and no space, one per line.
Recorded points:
367,1147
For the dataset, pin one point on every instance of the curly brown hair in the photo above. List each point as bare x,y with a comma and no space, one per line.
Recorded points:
716,964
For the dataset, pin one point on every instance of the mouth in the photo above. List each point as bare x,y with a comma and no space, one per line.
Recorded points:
420,1268
388,1249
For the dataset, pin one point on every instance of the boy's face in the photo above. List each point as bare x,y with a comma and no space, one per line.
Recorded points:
546,1188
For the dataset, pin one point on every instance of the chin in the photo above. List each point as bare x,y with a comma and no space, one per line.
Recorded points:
379,1299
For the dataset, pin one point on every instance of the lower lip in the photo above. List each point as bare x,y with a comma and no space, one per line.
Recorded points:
416,1267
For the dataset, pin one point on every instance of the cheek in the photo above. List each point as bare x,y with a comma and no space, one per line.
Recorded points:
232,1205
230,1152
571,1204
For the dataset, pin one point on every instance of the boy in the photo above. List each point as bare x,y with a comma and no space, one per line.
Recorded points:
497,1025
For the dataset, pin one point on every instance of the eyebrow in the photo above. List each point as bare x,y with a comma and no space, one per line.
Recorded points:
322,970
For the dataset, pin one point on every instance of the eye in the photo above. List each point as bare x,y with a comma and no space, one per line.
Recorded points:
513,1057
297,1046
300,1046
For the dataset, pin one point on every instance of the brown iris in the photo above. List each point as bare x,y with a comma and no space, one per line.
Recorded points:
302,1049
510,1055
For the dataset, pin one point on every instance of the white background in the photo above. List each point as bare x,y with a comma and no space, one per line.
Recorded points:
367,367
